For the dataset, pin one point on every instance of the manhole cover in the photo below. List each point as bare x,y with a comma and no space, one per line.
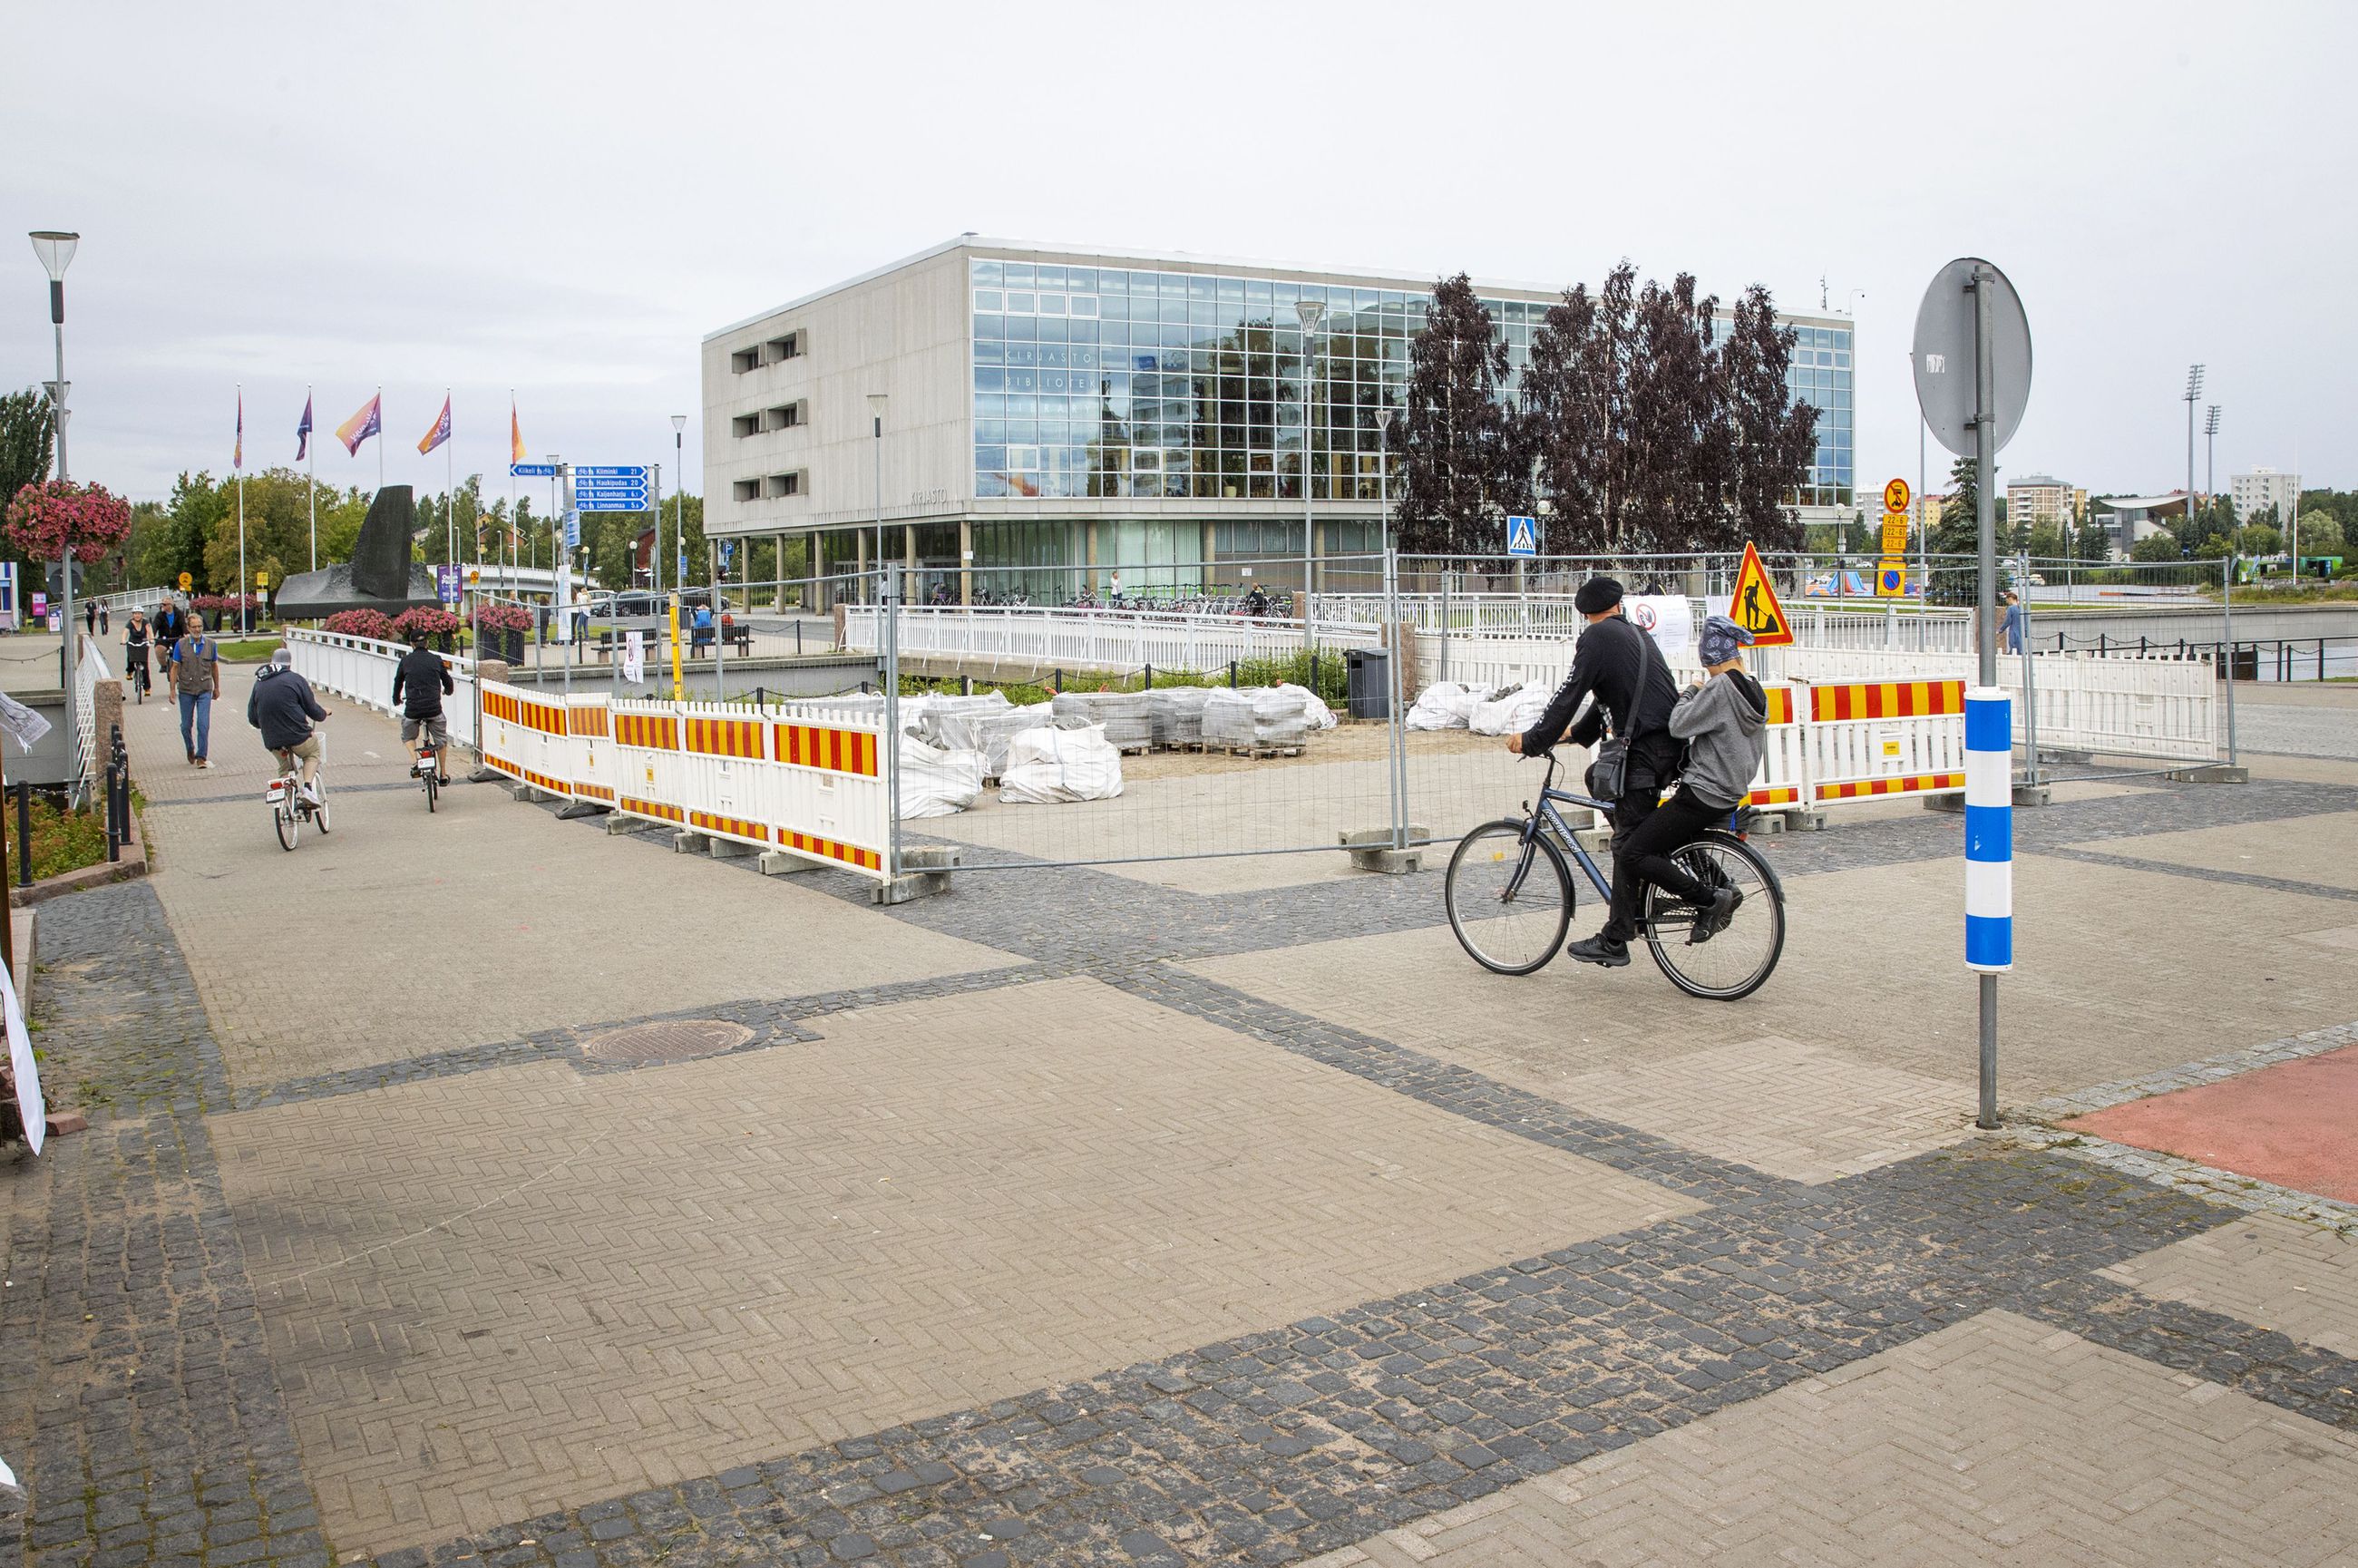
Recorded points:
673,1039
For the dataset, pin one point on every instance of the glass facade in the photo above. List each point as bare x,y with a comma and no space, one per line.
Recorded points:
1114,382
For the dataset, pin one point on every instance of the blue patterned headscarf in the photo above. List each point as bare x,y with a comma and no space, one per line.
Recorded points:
1721,638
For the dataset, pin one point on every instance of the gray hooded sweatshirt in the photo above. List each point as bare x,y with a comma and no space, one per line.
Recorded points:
1723,722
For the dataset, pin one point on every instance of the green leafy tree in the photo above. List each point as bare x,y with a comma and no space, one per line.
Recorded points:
2322,534
2259,538
2160,546
26,445
1957,534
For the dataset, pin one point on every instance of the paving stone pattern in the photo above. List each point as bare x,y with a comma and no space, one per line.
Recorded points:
156,1429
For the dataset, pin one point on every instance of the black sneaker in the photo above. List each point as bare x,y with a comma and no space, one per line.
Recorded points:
1713,918
1600,950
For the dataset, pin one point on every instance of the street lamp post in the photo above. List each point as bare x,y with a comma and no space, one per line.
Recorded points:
680,503
1309,310
2193,391
56,248
876,402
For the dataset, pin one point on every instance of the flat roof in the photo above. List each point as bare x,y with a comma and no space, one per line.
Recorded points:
1192,261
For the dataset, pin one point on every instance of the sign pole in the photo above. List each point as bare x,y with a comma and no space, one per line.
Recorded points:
1986,519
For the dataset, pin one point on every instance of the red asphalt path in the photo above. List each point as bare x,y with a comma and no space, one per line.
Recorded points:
2295,1124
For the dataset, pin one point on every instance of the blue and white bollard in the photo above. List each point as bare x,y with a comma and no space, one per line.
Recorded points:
1989,866
1989,830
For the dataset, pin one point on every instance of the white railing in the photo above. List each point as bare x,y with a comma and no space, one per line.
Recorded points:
2122,707
88,673
130,600
1817,624
360,669
1110,640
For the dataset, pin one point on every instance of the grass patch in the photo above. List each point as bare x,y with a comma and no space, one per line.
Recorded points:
248,650
62,840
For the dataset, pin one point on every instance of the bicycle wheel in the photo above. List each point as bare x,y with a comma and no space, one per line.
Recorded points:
432,788
320,812
1510,902
1733,962
289,826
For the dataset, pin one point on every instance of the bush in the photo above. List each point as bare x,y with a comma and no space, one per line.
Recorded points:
430,619
503,618
62,840
360,623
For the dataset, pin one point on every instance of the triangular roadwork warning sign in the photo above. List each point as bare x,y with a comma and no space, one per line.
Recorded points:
1754,604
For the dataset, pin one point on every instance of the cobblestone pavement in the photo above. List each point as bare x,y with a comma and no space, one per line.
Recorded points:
1080,1218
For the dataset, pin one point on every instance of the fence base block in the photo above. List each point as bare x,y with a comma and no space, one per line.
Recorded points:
579,808
2211,773
617,825
687,841
731,848
779,863
1954,805
1371,850
925,871
2032,794
530,795
1789,820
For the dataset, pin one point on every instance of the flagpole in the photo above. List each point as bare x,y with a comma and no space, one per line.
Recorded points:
312,454
380,438
449,488
511,487
238,588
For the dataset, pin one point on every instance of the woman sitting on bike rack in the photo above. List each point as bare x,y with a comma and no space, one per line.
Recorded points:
1635,695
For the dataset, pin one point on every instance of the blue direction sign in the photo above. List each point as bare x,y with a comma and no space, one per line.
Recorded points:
533,471
1522,537
599,503
609,484
592,471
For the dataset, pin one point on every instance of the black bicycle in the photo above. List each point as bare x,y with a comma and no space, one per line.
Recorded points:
1510,899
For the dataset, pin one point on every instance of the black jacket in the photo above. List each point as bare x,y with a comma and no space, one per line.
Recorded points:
424,677
1621,666
282,707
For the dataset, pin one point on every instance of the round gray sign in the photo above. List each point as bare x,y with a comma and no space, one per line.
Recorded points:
1944,355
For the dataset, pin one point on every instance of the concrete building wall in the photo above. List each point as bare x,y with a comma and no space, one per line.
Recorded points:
905,334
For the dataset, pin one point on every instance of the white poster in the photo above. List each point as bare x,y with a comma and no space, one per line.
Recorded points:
29,1104
1669,617
634,657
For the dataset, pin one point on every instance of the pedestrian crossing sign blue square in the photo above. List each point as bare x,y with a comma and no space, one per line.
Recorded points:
1522,537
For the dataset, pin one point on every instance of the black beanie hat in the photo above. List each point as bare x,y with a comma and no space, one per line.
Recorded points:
1596,596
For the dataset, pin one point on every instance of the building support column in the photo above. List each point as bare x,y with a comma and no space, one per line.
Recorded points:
1093,558
778,570
908,559
1318,556
966,560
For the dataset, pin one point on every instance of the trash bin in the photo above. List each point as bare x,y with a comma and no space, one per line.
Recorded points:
1368,682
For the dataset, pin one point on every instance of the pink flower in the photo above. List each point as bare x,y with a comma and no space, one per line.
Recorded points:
46,519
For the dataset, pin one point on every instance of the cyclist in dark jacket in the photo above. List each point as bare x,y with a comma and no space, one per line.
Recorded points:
1620,666
420,684
284,708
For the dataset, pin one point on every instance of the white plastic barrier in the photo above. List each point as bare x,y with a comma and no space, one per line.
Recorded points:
1869,739
805,779
360,669
2122,707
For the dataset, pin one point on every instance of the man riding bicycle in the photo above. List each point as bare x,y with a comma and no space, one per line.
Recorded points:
284,708
420,684
1721,721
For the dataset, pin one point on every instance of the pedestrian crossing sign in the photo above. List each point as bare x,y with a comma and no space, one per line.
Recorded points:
1522,537
1754,604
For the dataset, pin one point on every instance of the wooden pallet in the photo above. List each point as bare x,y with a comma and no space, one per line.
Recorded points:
1257,753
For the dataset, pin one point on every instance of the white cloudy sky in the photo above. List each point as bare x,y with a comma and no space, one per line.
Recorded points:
564,198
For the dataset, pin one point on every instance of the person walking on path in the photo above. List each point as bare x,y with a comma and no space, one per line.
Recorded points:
2009,626
196,677
90,616
170,622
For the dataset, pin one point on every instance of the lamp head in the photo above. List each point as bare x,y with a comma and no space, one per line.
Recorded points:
1310,310
877,400
679,423
56,249
2193,383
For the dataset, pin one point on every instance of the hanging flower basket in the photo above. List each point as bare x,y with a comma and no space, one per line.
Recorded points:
47,519
374,624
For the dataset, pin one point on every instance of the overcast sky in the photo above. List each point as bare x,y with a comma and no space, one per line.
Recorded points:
564,199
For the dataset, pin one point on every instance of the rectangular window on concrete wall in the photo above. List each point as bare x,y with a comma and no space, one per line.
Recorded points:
784,484
746,489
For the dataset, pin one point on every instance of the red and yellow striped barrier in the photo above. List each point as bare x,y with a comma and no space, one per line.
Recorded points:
837,751
1886,700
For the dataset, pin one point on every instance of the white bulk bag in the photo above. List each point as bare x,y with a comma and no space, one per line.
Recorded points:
1510,712
1051,766
936,781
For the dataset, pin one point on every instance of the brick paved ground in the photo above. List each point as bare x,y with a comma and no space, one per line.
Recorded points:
1090,1217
